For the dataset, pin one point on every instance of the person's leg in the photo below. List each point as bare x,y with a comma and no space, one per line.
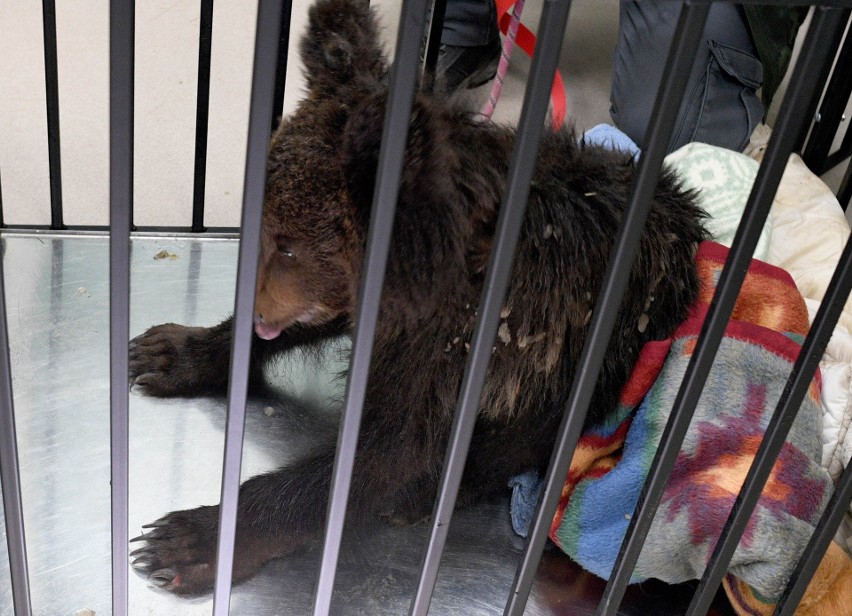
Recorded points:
470,44
469,23
720,104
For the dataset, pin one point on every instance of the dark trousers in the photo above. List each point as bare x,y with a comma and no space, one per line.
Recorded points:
469,23
720,105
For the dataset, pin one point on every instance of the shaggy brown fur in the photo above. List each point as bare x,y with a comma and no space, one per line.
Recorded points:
321,171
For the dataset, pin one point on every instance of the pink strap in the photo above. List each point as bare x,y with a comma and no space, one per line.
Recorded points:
517,34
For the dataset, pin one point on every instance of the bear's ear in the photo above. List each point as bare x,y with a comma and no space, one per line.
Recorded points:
341,43
362,139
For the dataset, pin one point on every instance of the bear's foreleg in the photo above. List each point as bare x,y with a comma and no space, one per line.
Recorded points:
177,360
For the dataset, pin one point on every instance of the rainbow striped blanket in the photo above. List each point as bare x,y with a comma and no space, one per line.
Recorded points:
611,462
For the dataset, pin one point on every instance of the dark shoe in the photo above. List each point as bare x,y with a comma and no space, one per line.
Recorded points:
468,67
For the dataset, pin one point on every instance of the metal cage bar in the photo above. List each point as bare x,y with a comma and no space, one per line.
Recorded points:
391,156
202,109
769,175
281,69
121,89
841,154
679,62
776,432
815,550
831,108
51,83
811,110
10,473
433,43
844,193
266,43
551,30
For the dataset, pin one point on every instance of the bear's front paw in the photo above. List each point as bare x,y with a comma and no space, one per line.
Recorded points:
179,554
173,360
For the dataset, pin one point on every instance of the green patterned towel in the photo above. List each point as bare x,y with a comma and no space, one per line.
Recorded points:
723,179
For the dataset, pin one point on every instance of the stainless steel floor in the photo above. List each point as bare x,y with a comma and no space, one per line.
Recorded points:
57,300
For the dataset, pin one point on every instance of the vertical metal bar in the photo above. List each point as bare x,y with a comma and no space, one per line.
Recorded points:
787,126
831,110
281,70
51,80
391,156
824,72
678,64
551,30
266,40
9,473
840,154
121,57
776,432
433,43
202,108
815,550
844,193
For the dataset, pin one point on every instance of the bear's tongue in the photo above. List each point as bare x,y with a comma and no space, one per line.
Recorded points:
267,332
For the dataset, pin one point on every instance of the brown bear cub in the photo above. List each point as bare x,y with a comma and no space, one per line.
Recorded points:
322,166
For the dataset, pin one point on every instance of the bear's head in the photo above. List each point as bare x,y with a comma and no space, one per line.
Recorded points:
322,169
313,230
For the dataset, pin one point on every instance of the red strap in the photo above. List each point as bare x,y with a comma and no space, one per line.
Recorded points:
526,41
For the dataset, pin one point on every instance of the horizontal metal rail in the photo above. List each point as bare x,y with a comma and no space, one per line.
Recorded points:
104,230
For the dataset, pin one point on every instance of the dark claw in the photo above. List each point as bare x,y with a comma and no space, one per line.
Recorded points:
142,379
158,523
140,551
143,562
142,537
162,577
157,533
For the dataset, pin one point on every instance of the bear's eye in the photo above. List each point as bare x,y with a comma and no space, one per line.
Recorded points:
285,250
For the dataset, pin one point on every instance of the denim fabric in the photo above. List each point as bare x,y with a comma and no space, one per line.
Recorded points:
720,106
469,23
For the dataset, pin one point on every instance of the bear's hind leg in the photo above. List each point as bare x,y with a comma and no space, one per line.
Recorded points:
277,512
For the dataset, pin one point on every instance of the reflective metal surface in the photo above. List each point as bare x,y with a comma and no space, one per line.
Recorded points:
58,301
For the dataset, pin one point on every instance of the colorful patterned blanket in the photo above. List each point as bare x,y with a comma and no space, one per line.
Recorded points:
612,461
